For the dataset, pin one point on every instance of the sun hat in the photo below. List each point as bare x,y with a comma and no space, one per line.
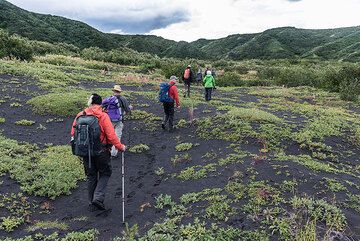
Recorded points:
117,88
208,72
189,66
173,78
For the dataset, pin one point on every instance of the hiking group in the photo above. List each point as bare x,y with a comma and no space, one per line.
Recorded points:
96,131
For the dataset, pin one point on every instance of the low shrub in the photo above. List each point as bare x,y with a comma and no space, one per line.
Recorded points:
229,79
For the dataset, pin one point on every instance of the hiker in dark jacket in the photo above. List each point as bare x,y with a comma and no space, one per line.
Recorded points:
124,109
169,107
209,83
188,78
199,77
98,172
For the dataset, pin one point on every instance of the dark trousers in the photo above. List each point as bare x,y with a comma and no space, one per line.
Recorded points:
98,175
186,88
169,109
208,92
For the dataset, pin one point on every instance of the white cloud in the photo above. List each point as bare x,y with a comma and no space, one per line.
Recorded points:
190,20
118,31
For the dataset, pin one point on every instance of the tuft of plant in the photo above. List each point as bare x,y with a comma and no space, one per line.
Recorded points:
140,148
15,104
163,201
24,122
160,171
2,120
184,146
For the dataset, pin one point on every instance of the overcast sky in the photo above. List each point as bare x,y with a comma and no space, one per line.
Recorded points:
193,19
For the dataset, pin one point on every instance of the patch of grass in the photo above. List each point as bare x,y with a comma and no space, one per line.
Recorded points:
163,201
334,185
15,210
2,120
310,163
40,225
64,103
15,104
252,115
24,122
184,146
322,211
140,148
50,172
180,158
196,172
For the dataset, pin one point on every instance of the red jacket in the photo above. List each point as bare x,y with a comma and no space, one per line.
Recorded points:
108,135
173,93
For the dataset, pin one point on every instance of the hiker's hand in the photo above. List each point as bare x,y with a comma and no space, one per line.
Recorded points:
123,149
179,107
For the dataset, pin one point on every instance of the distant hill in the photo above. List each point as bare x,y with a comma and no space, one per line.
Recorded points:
278,43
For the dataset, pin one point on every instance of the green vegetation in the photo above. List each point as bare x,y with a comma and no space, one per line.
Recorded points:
16,209
2,120
38,171
278,43
140,148
184,146
24,122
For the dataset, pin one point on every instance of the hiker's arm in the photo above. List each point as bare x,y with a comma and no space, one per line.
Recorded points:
174,94
125,105
111,135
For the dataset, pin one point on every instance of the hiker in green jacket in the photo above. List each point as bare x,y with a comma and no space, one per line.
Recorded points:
209,83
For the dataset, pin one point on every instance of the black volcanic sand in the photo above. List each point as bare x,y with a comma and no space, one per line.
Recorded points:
142,185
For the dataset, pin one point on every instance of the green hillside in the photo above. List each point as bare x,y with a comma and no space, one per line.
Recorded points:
278,43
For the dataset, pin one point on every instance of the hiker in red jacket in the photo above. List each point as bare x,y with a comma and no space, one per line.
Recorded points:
99,170
188,78
169,107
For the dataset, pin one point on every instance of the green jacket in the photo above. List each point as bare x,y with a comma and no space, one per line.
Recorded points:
209,81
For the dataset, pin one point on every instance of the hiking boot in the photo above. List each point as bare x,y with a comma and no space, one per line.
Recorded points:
100,205
171,129
163,126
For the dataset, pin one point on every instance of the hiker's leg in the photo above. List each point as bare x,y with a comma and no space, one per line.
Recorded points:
206,94
171,115
188,90
104,164
166,111
91,174
118,130
210,93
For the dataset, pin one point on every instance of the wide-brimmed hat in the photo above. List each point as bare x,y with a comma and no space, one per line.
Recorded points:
117,88
173,78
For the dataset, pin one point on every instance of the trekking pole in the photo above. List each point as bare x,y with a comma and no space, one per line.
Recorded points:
123,186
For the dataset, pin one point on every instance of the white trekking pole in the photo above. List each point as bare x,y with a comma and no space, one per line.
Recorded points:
123,186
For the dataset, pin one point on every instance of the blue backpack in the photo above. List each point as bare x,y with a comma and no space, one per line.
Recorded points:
164,93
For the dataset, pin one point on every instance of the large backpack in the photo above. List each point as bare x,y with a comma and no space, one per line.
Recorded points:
113,108
187,74
87,137
164,93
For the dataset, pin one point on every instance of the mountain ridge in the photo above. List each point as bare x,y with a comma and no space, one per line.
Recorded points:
276,43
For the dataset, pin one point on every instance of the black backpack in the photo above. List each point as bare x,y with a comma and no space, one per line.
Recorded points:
87,137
